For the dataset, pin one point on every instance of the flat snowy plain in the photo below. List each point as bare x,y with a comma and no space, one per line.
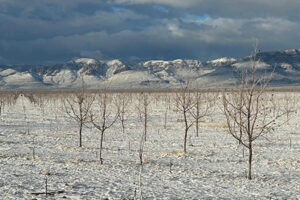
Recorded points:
213,168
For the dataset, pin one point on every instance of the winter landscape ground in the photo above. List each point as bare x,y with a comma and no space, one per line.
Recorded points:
38,141
149,99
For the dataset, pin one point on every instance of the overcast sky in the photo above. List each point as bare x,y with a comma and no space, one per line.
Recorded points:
50,31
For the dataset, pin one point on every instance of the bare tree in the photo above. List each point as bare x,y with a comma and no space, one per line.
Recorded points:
143,111
104,118
184,104
7,98
77,107
204,103
141,148
167,101
122,101
39,100
247,112
143,107
290,101
2,104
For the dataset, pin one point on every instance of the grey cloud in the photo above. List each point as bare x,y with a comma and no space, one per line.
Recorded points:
36,31
231,8
28,28
221,37
175,3
96,54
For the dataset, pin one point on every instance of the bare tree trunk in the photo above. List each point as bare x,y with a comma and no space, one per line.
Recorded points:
250,162
0,108
185,132
80,135
101,145
145,126
197,119
197,127
185,138
123,126
122,115
145,118
141,150
140,182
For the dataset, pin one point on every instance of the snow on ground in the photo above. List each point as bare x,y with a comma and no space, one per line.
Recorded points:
213,168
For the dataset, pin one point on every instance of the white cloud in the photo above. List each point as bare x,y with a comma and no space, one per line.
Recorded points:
175,30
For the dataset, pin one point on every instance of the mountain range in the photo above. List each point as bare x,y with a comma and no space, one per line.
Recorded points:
154,74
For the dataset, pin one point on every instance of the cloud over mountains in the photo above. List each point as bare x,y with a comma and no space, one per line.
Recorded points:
49,31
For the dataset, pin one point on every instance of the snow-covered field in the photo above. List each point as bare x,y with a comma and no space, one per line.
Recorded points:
213,168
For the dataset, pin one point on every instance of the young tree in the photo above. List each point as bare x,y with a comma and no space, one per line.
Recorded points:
184,103
77,107
2,104
122,101
40,100
143,111
7,99
290,102
143,107
247,112
167,101
141,148
104,118
204,103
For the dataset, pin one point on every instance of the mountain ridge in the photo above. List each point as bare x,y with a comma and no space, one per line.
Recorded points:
153,74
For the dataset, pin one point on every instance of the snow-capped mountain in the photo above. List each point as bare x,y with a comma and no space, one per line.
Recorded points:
153,74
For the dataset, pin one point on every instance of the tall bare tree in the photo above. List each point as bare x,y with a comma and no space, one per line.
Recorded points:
77,107
184,103
247,111
143,110
2,104
104,118
204,103
122,101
